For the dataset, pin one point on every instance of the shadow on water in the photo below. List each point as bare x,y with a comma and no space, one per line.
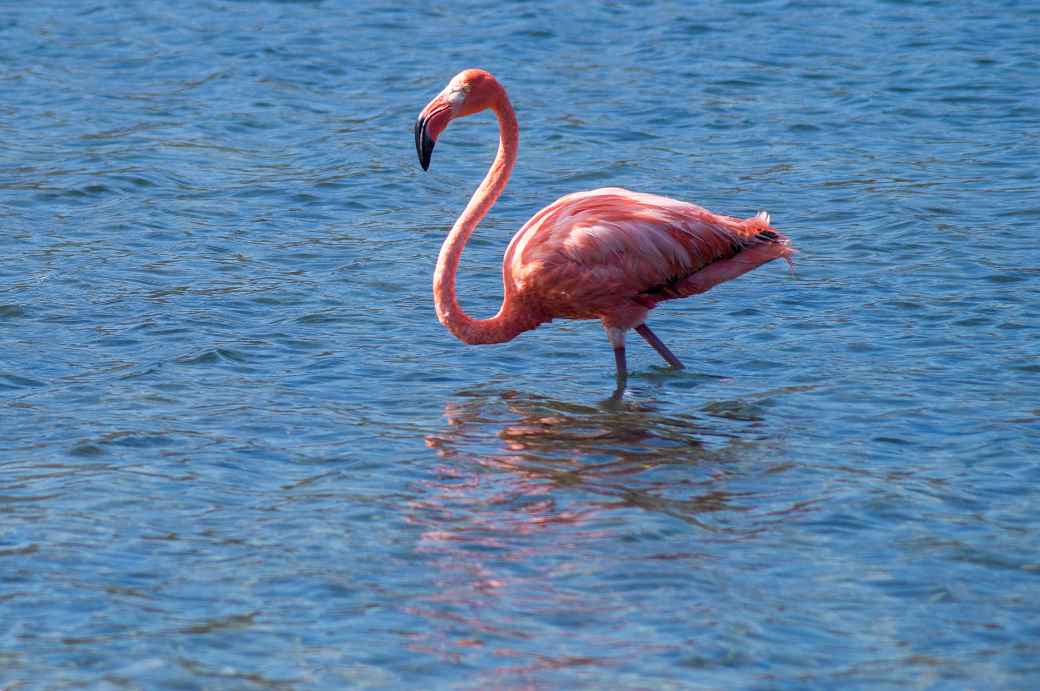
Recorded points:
541,505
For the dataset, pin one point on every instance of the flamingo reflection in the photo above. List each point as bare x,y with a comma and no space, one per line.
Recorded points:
526,483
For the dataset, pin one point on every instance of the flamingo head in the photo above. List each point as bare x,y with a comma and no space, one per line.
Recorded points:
469,92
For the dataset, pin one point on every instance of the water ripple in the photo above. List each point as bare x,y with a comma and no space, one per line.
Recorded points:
230,423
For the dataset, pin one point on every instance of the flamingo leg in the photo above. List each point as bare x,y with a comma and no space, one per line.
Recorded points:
651,338
622,367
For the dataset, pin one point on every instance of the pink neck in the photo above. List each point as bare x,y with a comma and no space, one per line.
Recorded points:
511,319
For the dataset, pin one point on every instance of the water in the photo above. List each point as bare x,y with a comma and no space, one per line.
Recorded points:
237,449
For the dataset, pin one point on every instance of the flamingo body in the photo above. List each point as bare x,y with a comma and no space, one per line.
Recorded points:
613,254
607,254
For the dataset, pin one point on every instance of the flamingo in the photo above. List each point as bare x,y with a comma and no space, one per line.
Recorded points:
607,254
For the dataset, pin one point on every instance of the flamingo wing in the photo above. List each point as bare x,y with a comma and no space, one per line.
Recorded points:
587,252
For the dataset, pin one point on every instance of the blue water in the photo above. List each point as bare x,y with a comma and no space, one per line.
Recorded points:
237,449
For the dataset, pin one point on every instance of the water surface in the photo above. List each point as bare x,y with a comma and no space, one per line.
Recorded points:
237,449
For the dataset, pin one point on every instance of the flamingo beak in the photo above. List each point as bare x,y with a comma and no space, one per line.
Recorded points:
428,126
423,142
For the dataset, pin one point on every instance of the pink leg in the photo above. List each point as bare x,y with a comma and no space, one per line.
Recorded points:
622,366
616,336
651,338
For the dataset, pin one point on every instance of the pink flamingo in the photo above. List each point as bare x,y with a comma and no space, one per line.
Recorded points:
607,254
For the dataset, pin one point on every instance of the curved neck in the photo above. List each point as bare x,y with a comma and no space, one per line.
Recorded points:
510,320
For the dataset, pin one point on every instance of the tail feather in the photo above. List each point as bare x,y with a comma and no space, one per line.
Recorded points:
761,243
746,228
726,248
759,227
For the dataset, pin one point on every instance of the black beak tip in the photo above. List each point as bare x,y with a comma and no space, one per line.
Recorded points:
423,144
